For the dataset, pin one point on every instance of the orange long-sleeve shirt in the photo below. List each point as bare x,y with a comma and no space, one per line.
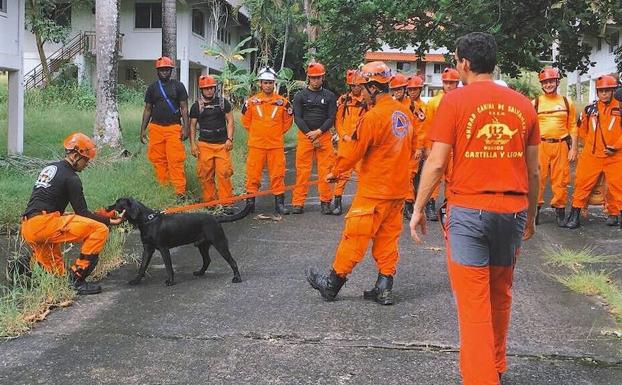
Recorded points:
554,118
418,108
267,118
384,142
601,127
350,108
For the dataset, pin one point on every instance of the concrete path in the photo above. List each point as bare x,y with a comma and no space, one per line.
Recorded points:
274,329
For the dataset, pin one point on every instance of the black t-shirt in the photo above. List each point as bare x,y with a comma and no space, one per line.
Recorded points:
160,111
315,109
58,185
212,121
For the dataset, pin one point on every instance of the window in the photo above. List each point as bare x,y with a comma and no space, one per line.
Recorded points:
224,35
62,14
403,66
148,15
614,41
3,5
131,73
599,44
439,67
198,22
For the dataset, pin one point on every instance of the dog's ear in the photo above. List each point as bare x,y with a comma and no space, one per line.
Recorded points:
132,209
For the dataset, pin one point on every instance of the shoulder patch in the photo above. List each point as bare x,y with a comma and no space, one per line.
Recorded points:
45,177
399,124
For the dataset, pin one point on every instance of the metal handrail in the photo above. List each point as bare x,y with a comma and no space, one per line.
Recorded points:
55,60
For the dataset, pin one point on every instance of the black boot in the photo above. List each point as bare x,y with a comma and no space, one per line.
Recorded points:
298,209
325,208
81,286
251,203
381,292
612,220
279,205
430,210
538,215
337,209
327,285
574,219
408,210
560,212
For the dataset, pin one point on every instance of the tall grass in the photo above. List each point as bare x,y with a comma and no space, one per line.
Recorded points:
597,283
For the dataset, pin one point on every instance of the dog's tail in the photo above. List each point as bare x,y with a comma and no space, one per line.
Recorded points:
235,217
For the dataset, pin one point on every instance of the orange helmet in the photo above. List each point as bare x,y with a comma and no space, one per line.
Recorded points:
376,71
399,80
548,73
81,144
315,69
206,81
415,81
164,62
450,75
350,77
606,81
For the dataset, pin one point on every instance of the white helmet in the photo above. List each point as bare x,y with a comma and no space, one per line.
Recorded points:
267,73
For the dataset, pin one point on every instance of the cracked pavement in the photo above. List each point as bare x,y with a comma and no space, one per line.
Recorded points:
274,329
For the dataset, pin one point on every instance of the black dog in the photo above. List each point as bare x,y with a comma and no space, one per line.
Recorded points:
159,231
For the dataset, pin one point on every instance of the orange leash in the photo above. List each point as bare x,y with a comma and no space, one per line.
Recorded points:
236,198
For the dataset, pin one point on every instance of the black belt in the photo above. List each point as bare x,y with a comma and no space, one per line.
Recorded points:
504,193
550,140
212,141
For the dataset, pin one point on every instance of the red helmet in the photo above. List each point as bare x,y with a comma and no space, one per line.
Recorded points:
164,62
315,69
206,81
376,71
415,81
605,82
450,75
399,80
548,73
350,77
81,144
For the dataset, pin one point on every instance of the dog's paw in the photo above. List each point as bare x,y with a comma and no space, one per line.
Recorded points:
236,279
198,273
135,281
170,283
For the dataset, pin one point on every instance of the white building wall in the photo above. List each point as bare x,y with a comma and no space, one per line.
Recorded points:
605,64
9,32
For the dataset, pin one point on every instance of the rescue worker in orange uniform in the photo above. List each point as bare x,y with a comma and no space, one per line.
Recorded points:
450,78
601,131
418,109
558,146
398,88
267,116
384,141
350,108
314,112
45,226
166,102
493,134
212,148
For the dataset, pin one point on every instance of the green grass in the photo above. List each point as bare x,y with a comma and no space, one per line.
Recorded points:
574,259
596,283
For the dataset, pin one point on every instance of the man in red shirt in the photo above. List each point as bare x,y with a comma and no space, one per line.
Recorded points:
493,134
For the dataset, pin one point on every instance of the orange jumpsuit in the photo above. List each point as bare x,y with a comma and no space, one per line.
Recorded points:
418,109
267,118
600,129
556,123
384,141
431,108
350,109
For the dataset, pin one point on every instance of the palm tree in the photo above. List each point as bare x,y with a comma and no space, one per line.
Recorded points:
107,129
169,30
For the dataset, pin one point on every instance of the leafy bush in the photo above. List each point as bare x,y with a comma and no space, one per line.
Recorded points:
524,86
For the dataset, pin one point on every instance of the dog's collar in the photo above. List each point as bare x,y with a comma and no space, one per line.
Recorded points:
152,217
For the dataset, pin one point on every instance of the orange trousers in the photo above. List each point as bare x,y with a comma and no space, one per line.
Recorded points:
483,299
414,168
305,152
45,233
167,153
368,219
256,160
588,173
609,206
214,167
553,159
